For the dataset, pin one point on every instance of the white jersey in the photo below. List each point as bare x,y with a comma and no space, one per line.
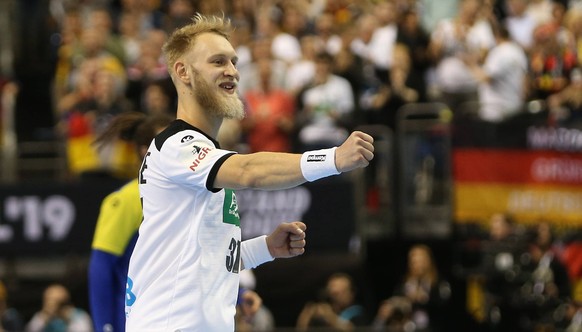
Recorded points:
184,271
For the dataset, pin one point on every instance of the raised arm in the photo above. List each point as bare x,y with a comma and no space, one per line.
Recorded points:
275,170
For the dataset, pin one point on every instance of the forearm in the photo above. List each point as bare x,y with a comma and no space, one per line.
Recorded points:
255,252
275,170
264,170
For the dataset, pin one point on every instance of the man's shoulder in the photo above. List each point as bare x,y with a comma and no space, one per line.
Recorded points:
180,132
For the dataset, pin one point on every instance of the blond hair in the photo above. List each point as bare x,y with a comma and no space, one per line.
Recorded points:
182,39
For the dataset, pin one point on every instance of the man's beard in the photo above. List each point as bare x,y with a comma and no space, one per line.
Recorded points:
228,106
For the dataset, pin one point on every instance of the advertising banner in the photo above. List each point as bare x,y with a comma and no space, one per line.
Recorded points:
57,218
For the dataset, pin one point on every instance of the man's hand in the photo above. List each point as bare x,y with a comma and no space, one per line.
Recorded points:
288,240
355,152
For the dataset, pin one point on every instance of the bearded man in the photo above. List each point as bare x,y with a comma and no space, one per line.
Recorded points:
184,271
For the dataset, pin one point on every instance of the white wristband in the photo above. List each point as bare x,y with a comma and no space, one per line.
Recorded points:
318,164
255,252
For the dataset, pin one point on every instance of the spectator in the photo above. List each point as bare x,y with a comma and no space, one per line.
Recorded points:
59,314
405,81
501,79
156,99
574,317
92,47
67,50
573,22
540,10
325,30
284,45
149,67
294,19
353,68
179,13
546,284
241,41
148,15
242,13
261,48
301,72
465,35
270,113
393,315
550,62
566,106
85,112
416,39
383,39
327,108
100,18
383,102
432,12
520,23
252,314
500,257
420,299
338,309
564,35
129,36
215,7
365,24
545,237
10,318
81,43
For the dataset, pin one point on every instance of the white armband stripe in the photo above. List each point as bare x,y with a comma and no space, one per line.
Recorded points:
318,164
255,252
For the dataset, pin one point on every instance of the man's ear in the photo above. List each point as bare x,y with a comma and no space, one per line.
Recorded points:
182,72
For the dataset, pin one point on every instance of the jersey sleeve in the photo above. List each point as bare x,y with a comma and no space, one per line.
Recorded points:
192,159
103,289
119,219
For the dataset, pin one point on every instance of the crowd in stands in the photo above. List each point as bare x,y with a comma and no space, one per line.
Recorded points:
311,71
523,279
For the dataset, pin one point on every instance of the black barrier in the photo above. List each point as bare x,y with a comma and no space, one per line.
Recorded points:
49,218
375,199
424,170
326,206
58,218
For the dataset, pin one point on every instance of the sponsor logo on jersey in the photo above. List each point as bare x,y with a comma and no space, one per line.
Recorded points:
196,149
187,138
316,157
230,208
201,155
